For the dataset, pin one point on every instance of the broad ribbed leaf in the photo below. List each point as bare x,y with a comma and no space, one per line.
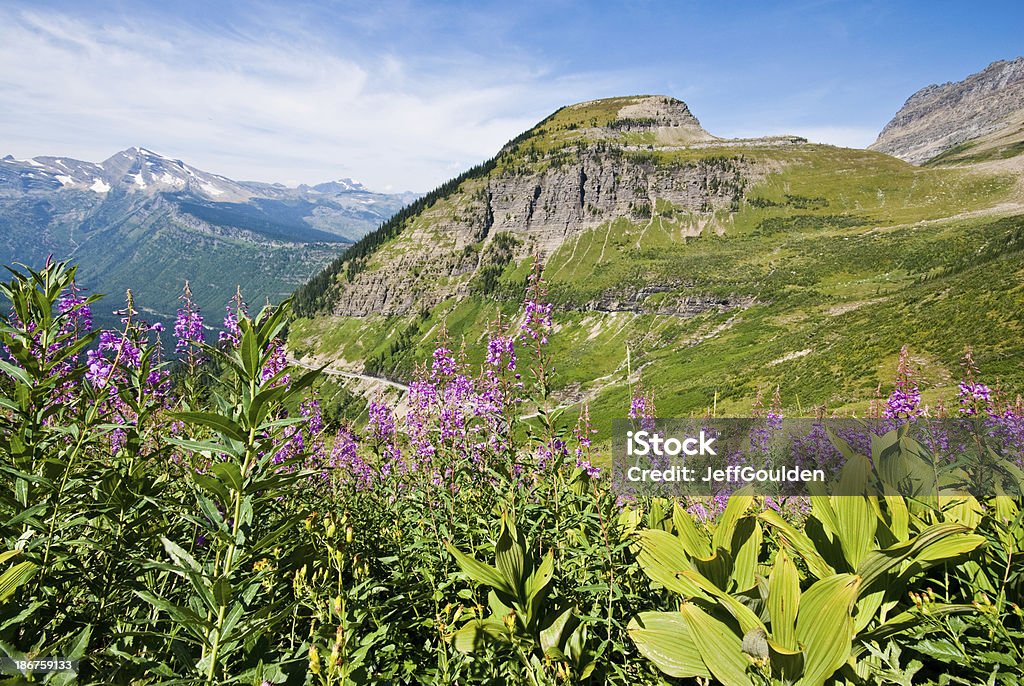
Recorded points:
937,542
784,600
899,517
554,636
14,577
537,584
719,647
746,617
857,522
508,557
477,632
479,572
746,550
737,506
717,569
662,559
665,639
824,626
695,543
800,543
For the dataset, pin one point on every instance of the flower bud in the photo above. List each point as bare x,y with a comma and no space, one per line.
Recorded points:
314,660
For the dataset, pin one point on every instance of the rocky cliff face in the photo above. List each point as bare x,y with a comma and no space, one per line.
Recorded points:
538,197
939,117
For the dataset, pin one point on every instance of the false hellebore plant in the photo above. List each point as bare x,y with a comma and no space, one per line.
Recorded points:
830,590
547,642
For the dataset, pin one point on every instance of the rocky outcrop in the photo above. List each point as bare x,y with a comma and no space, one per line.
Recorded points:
540,211
940,117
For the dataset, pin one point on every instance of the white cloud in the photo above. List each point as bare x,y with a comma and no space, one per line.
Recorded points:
265,107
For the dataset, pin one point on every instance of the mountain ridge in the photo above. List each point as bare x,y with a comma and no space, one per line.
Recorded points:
940,117
140,213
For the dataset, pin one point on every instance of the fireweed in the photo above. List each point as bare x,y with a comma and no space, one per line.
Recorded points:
212,524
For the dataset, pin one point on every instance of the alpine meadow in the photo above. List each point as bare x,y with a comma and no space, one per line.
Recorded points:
406,470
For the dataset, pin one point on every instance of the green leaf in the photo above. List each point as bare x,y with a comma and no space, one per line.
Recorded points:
906,621
508,556
16,372
824,626
222,591
249,350
480,572
746,617
538,582
784,600
225,426
477,632
666,639
746,541
694,543
937,542
228,472
940,649
800,543
181,557
553,638
739,502
662,559
719,647
856,524
14,577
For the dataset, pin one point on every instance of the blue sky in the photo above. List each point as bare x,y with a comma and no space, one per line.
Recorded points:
403,95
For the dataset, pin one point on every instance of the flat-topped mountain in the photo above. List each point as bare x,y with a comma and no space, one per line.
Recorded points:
938,118
584,166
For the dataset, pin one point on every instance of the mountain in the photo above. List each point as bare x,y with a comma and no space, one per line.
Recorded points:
940,118
722,266
145,221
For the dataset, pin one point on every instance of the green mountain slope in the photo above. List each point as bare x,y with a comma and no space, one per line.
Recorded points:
123,241
724,266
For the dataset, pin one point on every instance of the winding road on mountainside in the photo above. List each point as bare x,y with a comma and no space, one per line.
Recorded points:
331,371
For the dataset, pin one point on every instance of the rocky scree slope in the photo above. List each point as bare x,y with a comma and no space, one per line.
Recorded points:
938,118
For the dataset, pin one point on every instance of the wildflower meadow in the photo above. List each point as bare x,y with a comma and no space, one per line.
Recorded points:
176,506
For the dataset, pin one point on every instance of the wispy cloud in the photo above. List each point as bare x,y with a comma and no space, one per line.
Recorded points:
283,106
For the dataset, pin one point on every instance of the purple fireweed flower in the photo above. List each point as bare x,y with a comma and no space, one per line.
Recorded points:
79,314
641,408
345,460
276,364
974,397
537,322
233,311
905,400
381,422
444,363
501,348
188,327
